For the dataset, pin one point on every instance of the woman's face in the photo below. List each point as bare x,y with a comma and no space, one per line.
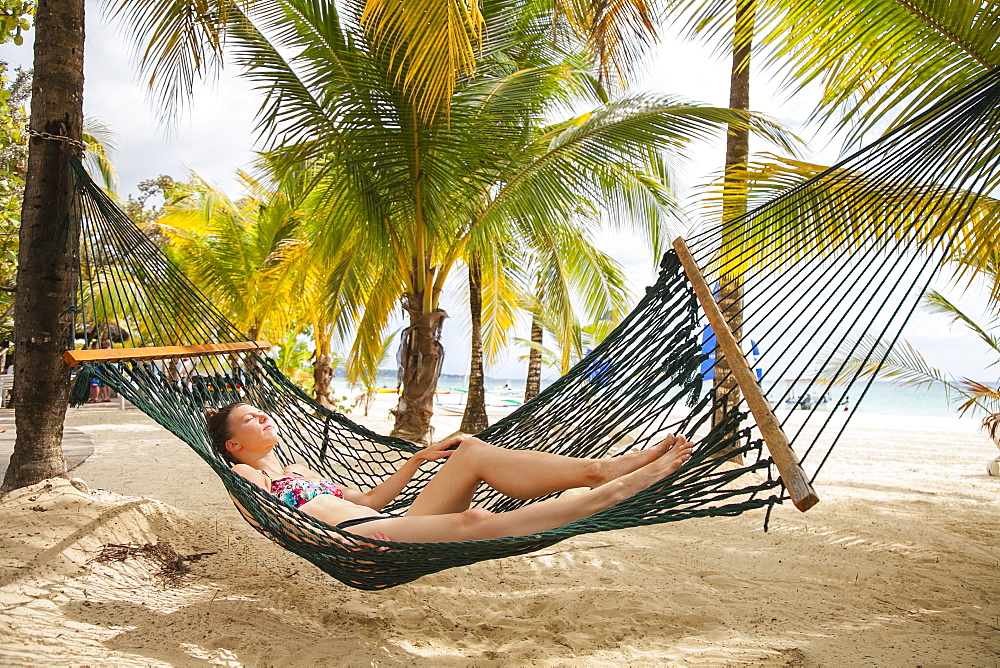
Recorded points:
251,431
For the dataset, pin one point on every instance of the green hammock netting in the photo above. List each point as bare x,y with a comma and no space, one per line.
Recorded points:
827,273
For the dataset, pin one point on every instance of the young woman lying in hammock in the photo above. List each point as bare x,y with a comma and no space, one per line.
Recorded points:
246,437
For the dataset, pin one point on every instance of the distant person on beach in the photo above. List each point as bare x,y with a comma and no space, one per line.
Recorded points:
245,437
99,392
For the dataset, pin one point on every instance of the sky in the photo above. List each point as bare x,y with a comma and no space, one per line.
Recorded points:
215,138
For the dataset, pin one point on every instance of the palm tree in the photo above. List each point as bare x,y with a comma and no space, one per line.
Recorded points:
564,263
409,195
233,253
42,313
599,285
253,259
570,351
739,27
474,419
533,383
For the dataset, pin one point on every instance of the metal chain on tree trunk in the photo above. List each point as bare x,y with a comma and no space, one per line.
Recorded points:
75,143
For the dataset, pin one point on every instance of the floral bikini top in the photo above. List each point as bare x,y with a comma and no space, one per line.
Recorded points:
294,490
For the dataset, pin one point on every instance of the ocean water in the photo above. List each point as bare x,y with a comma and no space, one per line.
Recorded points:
884,398
894,399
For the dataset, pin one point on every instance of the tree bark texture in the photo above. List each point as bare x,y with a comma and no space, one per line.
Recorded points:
533,384
474,420
46,272
420,358
737,157
322,378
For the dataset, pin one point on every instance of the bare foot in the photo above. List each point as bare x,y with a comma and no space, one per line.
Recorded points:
658,469
616,467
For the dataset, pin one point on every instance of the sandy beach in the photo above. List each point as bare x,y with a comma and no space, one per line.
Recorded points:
899,565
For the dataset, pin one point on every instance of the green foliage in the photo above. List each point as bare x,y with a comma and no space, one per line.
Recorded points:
292,355
147,207
15,18
879,62
232,251
101,146
493,179
13,165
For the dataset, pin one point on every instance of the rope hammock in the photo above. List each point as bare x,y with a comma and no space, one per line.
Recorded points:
828,271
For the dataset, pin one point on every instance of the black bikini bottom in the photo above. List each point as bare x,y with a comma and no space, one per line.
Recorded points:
361,520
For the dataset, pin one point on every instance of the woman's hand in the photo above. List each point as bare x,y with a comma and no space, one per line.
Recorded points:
382,494
438,450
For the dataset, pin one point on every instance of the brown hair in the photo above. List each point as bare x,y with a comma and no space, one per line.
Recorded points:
219,430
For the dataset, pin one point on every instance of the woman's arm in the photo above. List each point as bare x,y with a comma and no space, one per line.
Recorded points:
381,495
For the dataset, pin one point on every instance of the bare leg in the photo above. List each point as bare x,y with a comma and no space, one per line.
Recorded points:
520,474
479,524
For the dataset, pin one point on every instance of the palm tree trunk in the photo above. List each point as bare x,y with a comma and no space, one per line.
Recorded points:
737,156
421,356
48,242
322,378
475,419
533,385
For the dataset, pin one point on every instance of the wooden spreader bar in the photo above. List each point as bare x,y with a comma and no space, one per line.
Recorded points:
74,357
792,475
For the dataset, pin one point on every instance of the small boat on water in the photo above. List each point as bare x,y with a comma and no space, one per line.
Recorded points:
811,393
499,402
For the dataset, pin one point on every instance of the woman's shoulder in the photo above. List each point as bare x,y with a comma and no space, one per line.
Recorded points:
250,473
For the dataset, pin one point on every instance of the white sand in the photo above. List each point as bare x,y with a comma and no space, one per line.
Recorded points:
898,565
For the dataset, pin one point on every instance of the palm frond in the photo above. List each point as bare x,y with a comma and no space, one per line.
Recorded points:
935,302
850,206
101,148
177,44
433,43
618,34
880,62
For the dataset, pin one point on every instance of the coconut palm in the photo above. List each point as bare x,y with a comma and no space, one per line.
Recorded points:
232,250
295,276
408,195
579,280
43,301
